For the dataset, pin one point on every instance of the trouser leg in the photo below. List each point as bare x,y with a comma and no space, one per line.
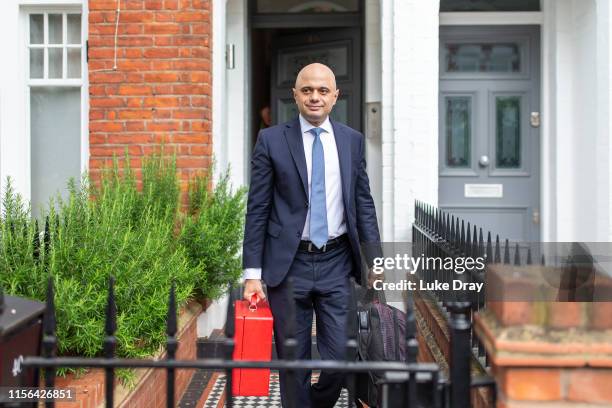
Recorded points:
331,298
279,300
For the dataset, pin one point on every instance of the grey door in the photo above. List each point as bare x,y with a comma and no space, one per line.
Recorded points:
340,49
489,128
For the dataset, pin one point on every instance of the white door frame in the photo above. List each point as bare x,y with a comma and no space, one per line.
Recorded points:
231,89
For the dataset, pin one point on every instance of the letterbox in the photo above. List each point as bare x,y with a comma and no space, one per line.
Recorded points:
20,336
253,341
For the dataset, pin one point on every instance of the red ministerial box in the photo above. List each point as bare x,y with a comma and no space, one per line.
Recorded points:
253,341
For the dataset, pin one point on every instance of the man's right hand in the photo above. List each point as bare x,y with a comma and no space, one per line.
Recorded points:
253,287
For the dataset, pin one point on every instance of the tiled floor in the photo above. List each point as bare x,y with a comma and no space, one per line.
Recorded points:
273,400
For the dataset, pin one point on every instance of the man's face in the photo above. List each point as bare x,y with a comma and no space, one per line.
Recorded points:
315,93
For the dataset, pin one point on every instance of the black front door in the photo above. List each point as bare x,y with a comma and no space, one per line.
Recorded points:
338,48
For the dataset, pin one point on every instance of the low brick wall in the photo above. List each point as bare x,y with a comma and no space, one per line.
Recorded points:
549,353
150,389
433,336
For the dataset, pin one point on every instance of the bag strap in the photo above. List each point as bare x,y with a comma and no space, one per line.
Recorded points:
396,335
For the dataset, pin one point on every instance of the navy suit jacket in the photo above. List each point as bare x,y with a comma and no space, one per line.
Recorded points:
278,200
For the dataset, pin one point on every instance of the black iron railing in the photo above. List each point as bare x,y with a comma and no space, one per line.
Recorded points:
441,391
437,233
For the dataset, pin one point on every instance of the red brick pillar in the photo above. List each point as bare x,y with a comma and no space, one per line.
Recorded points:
160,89
546,353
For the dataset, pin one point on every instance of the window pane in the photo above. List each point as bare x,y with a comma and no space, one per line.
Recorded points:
300,6
36,29
490,5
55,62
56,144
287,110
458,129
74,28
482,57
74,62
290,63
36,62
55,29
340,111
508,132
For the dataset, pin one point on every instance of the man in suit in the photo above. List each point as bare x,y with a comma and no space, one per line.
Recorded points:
309,210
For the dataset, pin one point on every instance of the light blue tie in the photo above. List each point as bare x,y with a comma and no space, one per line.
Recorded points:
318,209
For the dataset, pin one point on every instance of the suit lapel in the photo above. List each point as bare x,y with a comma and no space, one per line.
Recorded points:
343,145
293,135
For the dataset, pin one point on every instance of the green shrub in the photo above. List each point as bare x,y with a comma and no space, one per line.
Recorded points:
139,236
212,234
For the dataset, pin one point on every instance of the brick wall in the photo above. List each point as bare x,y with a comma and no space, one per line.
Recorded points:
150,387
548,353
160,90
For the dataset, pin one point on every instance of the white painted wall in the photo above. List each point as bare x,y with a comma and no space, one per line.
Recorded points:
410,112
236,130
219,100
604,114
576,145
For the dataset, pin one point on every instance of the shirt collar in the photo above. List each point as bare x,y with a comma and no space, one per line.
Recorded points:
306,126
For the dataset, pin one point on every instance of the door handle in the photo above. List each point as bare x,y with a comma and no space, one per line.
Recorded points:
534,119
535,217
483,161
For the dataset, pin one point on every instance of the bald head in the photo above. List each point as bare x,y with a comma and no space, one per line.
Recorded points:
315,92
315,70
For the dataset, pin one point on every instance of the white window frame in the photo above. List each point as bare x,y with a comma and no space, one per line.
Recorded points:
45,8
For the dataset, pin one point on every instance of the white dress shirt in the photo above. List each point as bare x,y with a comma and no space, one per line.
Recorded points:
336,224
333,182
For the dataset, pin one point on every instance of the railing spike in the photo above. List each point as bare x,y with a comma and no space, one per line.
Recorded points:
507,252
230,315
480,242
543,260
171,322
49,341
517,255
110,342
111,309
462,237
49,323
457,235
468,241
47,237
436,220
36,244
497,250
529,261
171,345
489,252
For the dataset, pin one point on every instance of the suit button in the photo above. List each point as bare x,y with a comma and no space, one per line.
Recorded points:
299,234
306,204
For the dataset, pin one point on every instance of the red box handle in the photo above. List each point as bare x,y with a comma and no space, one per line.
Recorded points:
253,303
